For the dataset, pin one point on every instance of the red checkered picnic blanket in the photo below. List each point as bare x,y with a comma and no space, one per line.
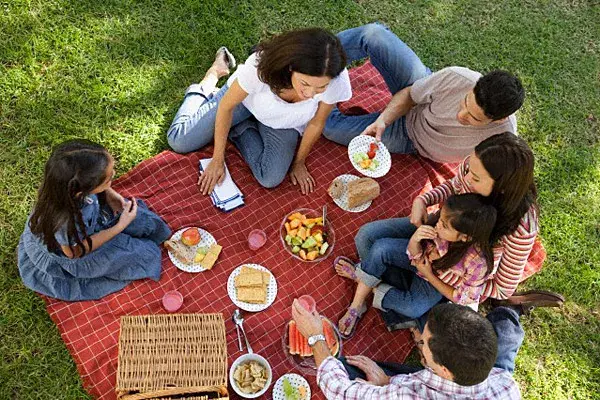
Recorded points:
167,182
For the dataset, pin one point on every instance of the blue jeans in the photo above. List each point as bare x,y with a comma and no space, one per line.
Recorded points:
400,68
269,152
505,321
398,287
368,234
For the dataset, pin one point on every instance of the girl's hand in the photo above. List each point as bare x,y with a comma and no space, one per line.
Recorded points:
128,213
418,214
424,267
211,176
300,175
375,375
115,201
424,232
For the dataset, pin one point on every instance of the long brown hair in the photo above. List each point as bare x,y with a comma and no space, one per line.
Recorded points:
472,215
74,169
312,51
509,161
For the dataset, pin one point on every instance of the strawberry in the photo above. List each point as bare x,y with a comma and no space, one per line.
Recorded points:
371,154
373,147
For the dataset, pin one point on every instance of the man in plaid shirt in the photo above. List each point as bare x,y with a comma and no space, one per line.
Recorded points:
466,357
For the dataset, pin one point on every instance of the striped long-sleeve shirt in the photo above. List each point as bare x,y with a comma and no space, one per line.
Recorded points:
512,250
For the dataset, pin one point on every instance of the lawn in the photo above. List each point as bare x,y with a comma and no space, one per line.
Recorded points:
114,71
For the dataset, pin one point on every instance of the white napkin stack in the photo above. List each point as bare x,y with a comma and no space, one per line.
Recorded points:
227,195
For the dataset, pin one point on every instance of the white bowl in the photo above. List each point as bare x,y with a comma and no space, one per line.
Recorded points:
246,358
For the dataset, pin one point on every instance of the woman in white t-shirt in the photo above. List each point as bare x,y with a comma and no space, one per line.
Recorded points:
284,91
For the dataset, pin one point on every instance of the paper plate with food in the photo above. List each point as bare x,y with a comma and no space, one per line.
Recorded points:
296,347
369,157
352,193
252,287
306,236
193,249
291,387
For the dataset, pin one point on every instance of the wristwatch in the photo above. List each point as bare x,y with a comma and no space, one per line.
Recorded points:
312,340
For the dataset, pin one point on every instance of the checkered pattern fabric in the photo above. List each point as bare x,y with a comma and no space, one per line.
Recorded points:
167,182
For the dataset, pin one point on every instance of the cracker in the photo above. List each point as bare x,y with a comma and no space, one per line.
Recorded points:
255,295
209,260
252,279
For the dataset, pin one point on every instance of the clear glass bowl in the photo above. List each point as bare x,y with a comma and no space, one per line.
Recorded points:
307,365
309,213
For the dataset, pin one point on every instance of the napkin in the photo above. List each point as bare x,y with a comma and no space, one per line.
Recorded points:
225,196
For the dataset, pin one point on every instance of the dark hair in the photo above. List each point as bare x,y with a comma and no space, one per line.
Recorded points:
509,161
313,51
471,215
463,341
499,94
74,169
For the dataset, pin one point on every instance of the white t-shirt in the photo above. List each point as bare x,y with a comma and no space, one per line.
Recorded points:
272,110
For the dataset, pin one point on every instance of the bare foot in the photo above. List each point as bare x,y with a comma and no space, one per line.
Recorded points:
345,269
220,67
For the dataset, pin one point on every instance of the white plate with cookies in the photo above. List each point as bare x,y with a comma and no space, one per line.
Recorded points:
252,287
206,241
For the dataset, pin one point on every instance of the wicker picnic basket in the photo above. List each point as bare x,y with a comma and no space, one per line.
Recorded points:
179,355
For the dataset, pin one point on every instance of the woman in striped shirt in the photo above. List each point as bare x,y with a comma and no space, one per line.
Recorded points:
501,169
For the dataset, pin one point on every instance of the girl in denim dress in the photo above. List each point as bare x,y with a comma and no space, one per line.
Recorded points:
83,240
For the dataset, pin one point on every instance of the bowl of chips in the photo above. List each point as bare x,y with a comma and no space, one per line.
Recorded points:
250,376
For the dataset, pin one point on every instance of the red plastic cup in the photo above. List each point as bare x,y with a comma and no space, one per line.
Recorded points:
256,239
172,301
308,303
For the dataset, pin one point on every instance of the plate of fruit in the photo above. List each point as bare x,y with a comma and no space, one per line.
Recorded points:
193,249
296,348
305,237
370,157
291,387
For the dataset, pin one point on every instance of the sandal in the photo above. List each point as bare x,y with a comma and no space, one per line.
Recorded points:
352,321
418,344
229,58
351,272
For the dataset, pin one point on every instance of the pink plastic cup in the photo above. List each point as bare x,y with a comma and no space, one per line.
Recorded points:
172,301
308,303
256,239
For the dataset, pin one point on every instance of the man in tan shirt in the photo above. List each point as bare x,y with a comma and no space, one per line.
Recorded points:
441,116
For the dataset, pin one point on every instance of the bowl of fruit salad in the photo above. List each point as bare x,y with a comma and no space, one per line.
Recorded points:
304,236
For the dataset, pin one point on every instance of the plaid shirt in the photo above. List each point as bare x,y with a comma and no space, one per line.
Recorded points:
468,277
333,381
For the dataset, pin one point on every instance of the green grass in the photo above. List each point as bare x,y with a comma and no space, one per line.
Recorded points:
114,71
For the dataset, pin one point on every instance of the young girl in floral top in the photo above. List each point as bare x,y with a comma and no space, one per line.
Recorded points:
455,256
452,260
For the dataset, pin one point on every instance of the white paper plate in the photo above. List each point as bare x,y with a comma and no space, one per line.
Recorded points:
342,201
295,380
360,144
271,290
206,240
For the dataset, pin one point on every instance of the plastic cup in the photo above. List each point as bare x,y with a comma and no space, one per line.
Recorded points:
256,239
172,301
308,303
